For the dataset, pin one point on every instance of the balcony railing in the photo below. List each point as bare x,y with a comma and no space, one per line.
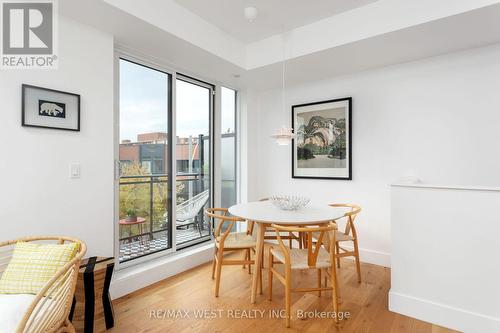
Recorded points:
149,195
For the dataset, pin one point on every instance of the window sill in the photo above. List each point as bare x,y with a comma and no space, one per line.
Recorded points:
144,274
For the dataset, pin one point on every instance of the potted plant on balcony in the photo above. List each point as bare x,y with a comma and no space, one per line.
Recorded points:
131,215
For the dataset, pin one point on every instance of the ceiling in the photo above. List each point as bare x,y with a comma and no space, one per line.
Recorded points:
275,16
167,34
477,28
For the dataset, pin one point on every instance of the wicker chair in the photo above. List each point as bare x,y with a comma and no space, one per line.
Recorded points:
348,235
226,241
48,310
314,257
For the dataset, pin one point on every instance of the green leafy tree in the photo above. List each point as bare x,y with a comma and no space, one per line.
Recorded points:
135,194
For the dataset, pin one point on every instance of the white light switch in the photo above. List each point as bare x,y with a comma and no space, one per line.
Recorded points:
74,171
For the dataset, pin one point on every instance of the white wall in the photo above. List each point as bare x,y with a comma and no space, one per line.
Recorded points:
444,269
437,119
37,197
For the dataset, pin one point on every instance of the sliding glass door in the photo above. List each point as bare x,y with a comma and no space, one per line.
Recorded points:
145,199
228,147
166,156
194,103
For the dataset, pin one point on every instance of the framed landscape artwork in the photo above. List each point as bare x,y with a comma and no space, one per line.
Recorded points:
48,108
322,145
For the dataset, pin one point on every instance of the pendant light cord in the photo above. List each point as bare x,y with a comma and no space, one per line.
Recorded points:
283,76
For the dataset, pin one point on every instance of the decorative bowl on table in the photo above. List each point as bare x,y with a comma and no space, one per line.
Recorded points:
289,202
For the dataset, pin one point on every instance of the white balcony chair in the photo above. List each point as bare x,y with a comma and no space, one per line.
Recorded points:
188,210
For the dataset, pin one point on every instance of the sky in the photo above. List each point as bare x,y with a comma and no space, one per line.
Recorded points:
144,101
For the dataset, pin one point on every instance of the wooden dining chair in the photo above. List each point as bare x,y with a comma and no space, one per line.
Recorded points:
227,241
348,235
314,257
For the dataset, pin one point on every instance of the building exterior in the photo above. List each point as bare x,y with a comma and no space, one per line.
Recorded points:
151,151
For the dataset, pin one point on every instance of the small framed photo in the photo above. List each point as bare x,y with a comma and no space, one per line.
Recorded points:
49,108
322,147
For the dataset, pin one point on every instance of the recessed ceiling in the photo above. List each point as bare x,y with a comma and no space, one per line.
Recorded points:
275,16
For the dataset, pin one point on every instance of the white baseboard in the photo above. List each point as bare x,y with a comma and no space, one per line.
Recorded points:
442,314
137,277
373,257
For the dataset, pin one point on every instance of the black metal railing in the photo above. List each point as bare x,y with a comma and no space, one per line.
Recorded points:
141,197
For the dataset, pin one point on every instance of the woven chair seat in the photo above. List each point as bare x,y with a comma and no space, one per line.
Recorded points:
339,236
298,258
238,240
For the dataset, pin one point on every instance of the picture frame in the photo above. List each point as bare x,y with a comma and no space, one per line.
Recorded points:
322,147
50,108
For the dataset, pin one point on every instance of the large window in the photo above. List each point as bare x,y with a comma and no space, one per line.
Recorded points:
150,152
228,147
193,153
144,150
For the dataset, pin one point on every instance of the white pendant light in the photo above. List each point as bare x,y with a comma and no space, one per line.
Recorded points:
284,135
251,13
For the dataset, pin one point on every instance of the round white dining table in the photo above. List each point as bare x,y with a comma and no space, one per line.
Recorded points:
264,213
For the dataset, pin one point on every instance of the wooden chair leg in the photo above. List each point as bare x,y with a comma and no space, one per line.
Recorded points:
260,271
260,279
356,255
290,235
335,279
262,257
219,268
300,240
249,256
337,247
288,300
270,275
245,257
335,301
214,263
319,281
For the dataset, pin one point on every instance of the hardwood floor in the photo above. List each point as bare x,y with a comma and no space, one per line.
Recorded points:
162,307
